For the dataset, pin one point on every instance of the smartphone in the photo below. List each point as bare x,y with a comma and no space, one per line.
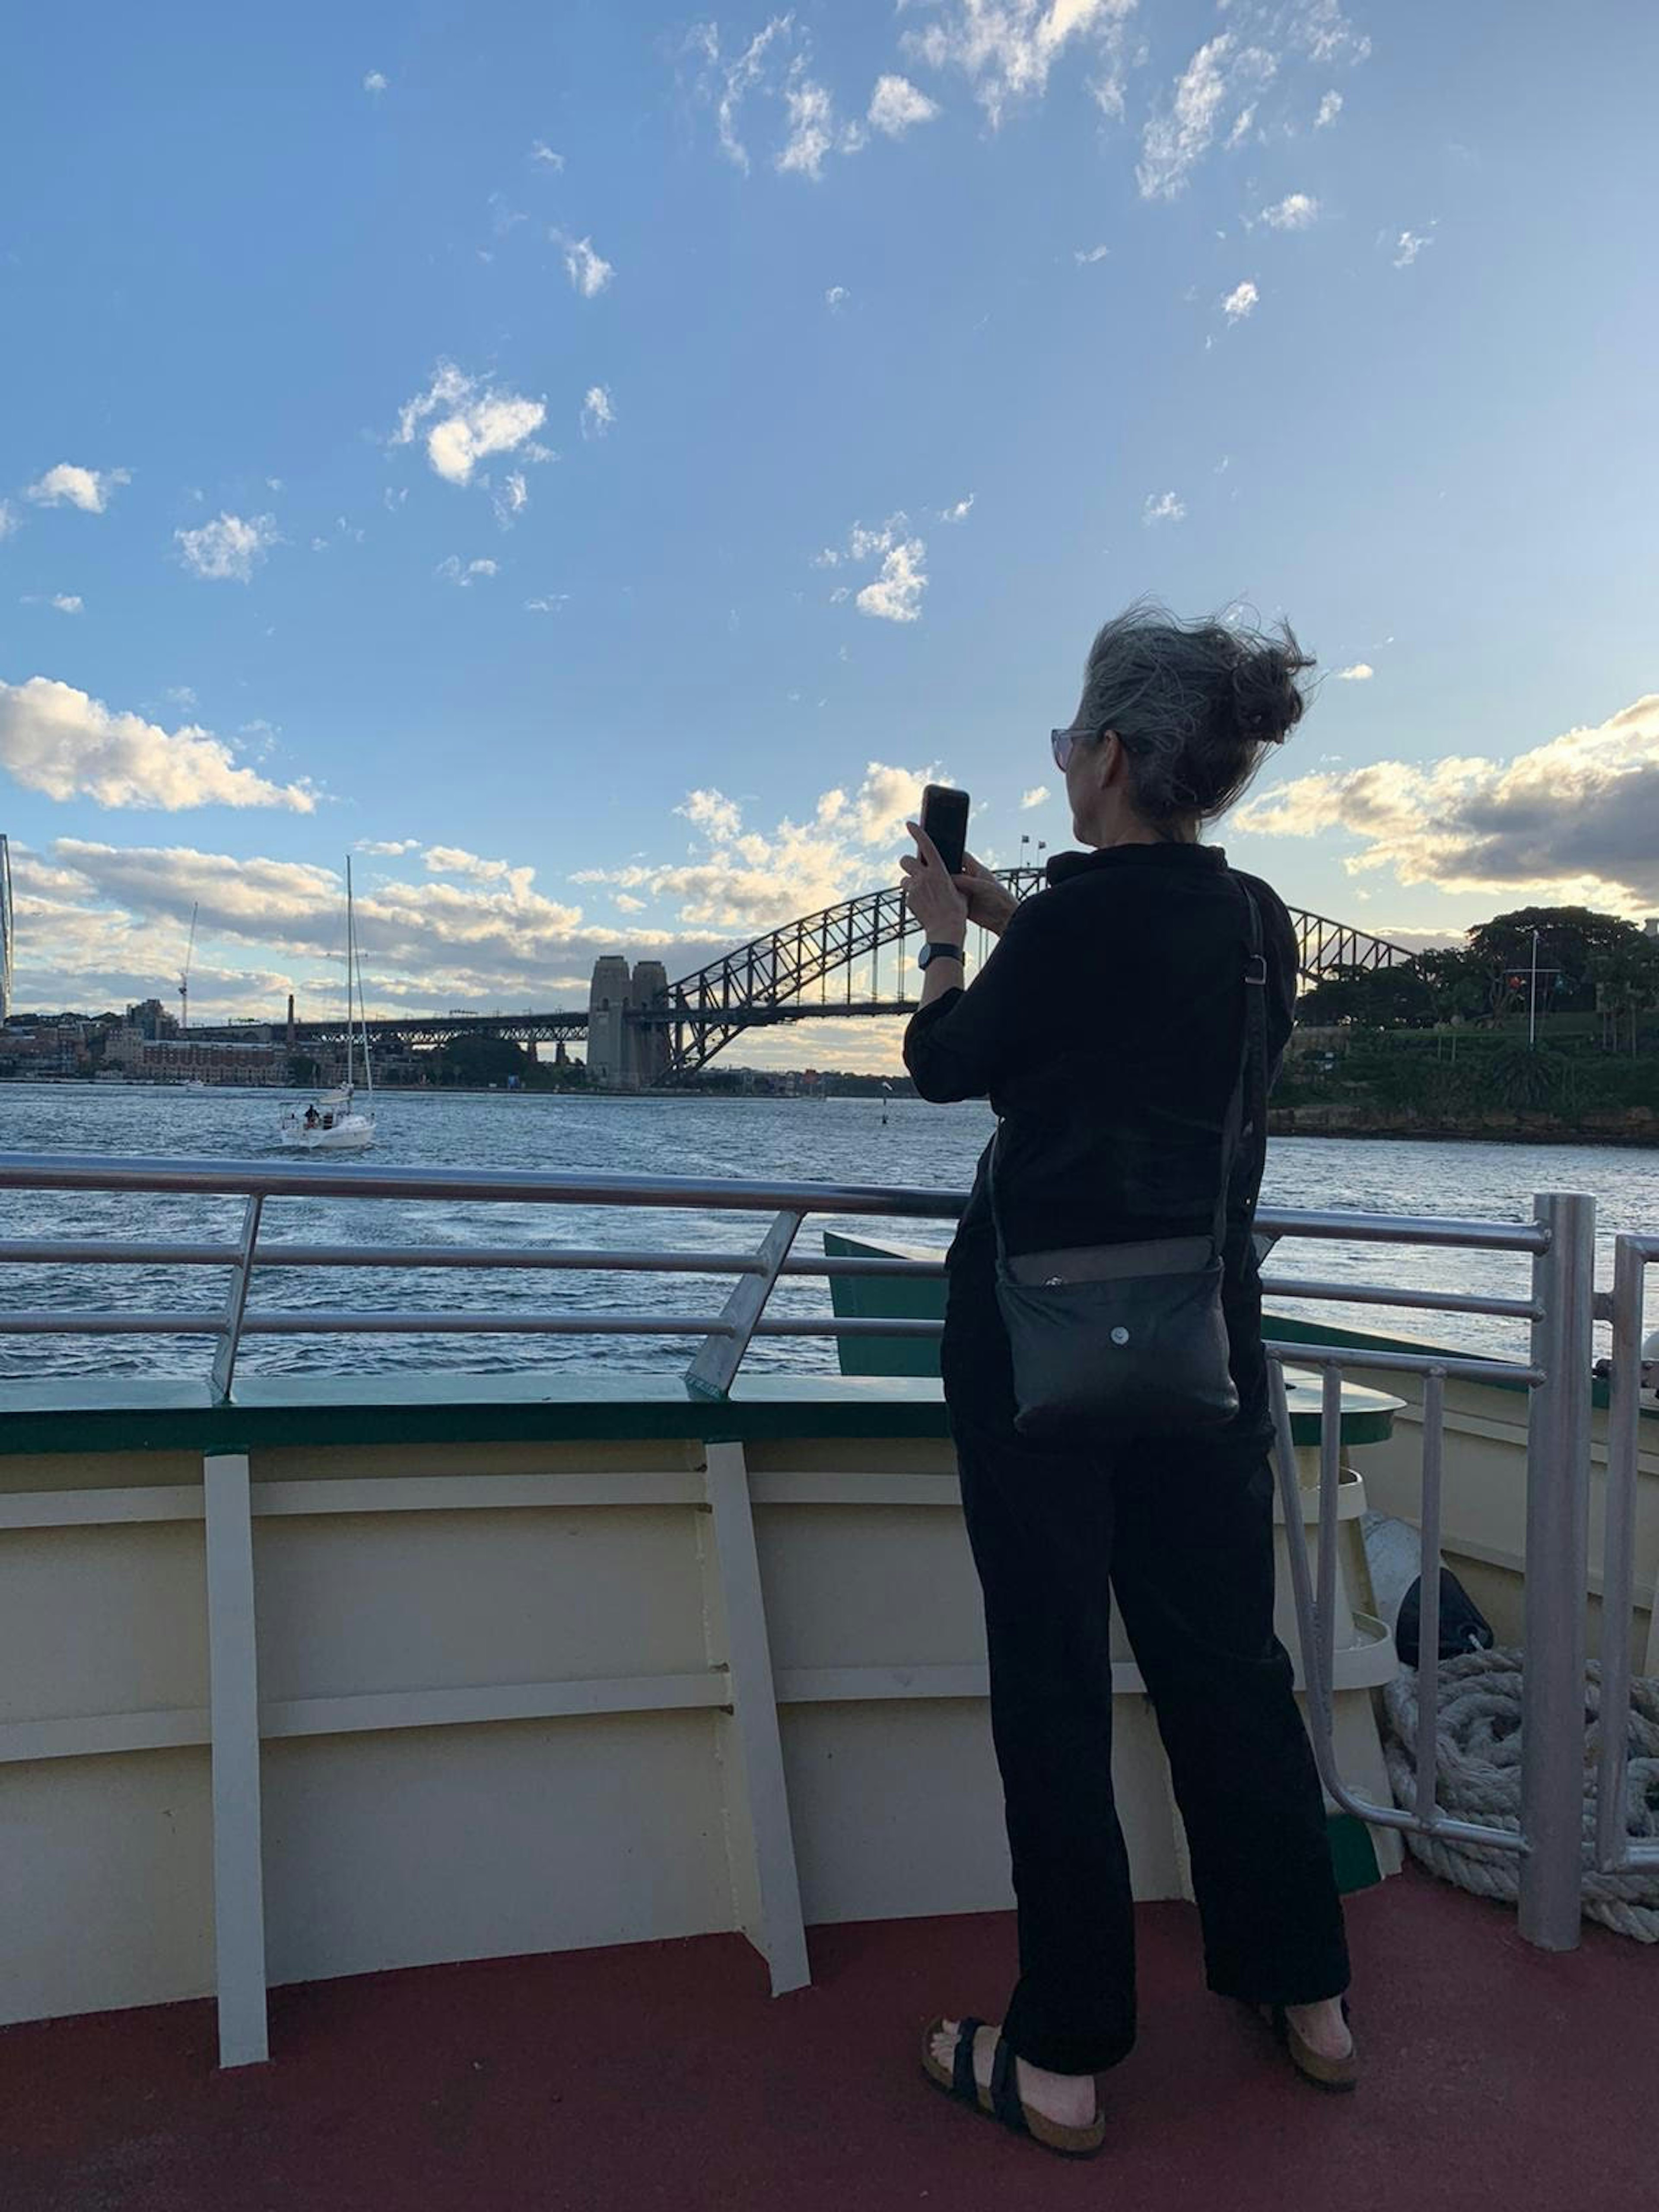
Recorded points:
945,818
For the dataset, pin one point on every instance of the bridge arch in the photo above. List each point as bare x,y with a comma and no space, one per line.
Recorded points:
765,980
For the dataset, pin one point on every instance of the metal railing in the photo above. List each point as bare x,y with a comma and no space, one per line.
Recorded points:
1560,1240
1616,1852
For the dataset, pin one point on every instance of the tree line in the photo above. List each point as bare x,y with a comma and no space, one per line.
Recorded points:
1587,963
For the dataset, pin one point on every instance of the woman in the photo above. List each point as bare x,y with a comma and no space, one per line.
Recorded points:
1106,1029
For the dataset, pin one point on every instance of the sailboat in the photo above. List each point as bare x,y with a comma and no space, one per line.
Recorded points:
333,1122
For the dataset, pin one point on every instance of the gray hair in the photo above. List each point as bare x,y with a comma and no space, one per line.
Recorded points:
1195,704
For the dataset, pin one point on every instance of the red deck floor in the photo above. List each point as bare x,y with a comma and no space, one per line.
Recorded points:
663,2074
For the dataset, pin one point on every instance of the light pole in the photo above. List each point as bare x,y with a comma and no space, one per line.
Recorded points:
1532,1019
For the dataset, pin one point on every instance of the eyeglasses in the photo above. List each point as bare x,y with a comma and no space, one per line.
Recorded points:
1063,743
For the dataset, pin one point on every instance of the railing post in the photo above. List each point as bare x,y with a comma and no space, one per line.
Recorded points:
1614,1851
224,1359
1556,1575
710,1374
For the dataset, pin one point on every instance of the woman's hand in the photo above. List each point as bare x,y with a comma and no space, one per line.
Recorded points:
990,903
934,897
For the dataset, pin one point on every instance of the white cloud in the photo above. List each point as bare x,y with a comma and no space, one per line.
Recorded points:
1568,822
626,902
1295,211
739,78
512,498
474,420
834,299
456,860
1087,256
1178,136
228,550
1408,248
1034,797
813,129
1174,141
744,881
1240,302
425,945
896,105
62,741
1323,33
896,595
775,64
1361,671
1006,48
392,845
67,603
553,604
541,151
375,82
9,520
1166,506
1329,108
960,512
712,812
454,571
599,411
588,271
86,489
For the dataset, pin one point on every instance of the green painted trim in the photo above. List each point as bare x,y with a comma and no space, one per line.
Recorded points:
434,1408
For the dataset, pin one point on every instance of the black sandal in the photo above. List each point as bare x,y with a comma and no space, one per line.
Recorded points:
1003,2102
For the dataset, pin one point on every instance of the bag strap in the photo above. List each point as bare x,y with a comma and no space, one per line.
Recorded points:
1247,1109
1251,1077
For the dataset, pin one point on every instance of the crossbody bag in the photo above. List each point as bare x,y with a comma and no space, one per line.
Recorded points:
1130,1340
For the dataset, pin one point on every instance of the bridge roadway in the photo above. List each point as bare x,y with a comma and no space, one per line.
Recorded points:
530,1028
771,979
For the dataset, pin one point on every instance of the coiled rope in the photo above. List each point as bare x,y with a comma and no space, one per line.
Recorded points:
1479,1729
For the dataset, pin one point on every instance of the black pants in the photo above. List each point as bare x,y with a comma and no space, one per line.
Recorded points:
1183,1534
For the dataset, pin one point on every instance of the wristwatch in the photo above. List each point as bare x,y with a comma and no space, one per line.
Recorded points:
937,952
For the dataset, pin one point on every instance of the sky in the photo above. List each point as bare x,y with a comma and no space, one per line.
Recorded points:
591,463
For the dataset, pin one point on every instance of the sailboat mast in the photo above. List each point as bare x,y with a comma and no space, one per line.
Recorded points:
362,1016
348,945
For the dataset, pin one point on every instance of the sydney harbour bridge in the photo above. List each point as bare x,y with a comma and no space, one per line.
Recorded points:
639,1029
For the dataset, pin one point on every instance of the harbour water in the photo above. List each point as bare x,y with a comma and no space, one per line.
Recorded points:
837,1141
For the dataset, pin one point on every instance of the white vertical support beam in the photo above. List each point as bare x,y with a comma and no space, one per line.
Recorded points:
771,1879
1558,1574
239,1913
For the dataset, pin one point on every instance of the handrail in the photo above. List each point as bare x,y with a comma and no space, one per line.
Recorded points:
725,1336
1559,1239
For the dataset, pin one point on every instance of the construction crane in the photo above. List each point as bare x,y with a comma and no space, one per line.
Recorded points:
183,979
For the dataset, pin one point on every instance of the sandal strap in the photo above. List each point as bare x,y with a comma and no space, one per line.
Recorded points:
1005,2091
962,2084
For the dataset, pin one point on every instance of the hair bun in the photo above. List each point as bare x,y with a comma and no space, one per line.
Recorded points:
1266,704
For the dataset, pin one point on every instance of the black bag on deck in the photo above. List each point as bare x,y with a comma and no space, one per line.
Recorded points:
1464,1627
1130,1340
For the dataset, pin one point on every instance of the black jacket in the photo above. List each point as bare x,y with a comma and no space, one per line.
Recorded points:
1105,1029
